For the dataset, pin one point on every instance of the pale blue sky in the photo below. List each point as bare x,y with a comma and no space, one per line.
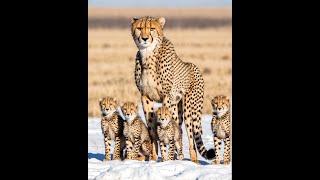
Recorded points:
160,3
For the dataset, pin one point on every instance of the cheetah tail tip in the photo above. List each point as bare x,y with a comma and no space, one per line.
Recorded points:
210,154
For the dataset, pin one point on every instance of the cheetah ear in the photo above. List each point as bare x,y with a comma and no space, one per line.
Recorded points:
134,19
119,104
162,21
212,100
100,99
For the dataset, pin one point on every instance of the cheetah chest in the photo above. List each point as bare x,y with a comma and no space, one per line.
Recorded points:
149,85
112,134
132,132
221,129
164,136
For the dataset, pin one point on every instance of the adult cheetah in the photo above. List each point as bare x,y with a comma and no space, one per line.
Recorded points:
161,76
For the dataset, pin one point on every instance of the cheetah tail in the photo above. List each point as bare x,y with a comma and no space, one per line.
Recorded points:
208,154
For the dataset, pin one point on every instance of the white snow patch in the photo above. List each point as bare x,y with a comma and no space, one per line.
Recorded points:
131,169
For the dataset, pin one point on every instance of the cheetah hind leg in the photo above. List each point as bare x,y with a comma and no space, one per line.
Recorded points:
107,149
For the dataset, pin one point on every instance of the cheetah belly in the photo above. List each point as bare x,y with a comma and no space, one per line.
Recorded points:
220,132
111,134
131,132
164,138
149,86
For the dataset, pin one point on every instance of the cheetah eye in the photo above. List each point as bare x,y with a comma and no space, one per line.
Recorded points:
152,29
139,28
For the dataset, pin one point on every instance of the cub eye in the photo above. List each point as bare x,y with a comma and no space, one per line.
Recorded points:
139,28
152,29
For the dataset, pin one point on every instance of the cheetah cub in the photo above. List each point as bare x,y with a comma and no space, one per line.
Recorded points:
169,133
112,128
138,141
221,128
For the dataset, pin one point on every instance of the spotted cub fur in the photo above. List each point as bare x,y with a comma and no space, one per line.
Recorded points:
168,133
138,141
112,128
221,128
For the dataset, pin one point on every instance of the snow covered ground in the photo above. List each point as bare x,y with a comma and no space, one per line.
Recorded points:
131,169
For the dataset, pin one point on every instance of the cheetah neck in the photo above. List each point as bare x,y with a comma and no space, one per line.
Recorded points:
146,52
110,114
222,116
165,124
130,119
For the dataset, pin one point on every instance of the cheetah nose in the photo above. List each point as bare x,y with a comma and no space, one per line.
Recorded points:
107,109
127,114
145,39
219,109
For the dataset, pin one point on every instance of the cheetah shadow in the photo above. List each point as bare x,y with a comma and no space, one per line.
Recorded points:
100,157
201,162
97,156
187,159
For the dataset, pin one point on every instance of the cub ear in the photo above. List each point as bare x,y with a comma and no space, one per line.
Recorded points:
162,21
212,100
100,100
134,19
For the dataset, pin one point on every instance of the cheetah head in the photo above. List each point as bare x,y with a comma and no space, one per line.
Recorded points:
129,110
163,116
220,105
147,31
108,106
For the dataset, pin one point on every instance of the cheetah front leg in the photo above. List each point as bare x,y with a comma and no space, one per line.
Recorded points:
217,146
136,148
129,148
227,150
151,123
107,143
163,151
117,147
171,150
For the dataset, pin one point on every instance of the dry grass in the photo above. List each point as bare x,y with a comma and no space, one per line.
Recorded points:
111,62
172,12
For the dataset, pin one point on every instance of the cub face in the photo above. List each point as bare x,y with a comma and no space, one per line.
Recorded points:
163,116
146,31
220,105
129,110
108,105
